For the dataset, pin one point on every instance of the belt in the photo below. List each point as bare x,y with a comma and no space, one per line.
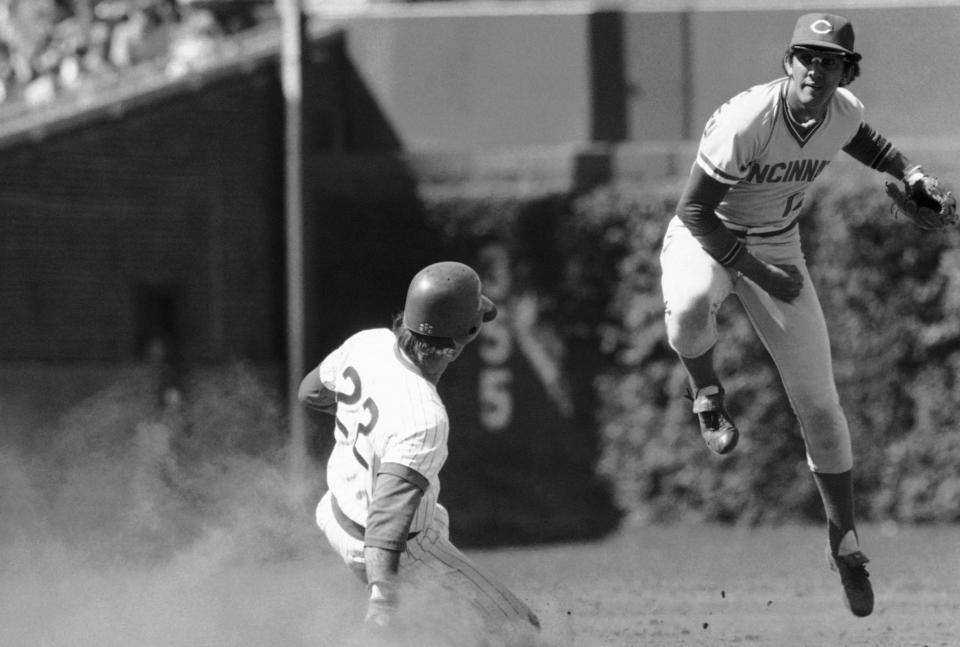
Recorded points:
350,526
763,234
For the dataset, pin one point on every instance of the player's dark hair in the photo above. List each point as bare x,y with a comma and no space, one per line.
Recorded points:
419,347
851,67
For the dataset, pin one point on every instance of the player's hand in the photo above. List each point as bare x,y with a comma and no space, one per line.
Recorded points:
381,610
380,628
782,282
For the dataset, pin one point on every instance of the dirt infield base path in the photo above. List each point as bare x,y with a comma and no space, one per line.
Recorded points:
676,585
720,586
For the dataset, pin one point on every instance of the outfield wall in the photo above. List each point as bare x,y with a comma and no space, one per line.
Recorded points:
562,76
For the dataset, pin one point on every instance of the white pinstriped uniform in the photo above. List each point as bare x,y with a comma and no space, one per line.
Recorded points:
751,144
387,412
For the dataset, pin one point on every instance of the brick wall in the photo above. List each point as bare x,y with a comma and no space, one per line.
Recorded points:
166,215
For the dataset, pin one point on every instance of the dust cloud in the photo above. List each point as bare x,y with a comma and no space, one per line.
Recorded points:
135,521
138,525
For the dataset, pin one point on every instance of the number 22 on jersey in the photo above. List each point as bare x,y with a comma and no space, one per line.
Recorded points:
356,415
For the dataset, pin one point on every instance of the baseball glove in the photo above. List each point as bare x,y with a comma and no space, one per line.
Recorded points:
924,202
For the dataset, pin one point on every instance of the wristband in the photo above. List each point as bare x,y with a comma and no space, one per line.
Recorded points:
383,594
912,174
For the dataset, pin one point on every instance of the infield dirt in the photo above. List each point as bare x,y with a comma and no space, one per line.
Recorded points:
645,585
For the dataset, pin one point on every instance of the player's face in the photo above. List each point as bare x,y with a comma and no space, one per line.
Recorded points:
816,75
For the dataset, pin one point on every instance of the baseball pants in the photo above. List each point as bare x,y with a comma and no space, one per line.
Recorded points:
795,334
430,554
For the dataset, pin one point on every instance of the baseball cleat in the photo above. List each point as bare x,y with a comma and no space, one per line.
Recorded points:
857,591
716,427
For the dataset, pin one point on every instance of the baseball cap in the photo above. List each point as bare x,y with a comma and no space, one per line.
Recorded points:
824,31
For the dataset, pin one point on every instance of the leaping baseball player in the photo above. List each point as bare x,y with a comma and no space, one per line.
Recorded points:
380,513
735,232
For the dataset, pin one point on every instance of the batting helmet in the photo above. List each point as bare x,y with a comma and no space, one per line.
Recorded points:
445,300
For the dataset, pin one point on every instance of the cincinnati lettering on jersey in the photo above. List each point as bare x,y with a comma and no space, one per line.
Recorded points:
792,171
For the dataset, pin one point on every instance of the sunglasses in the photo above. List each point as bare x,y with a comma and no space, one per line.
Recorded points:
827,61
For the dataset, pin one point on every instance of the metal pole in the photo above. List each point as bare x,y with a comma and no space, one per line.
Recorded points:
291,14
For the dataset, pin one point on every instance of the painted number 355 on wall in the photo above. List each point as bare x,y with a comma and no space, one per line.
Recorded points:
495,345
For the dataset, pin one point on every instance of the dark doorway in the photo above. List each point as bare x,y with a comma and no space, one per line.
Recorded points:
156,319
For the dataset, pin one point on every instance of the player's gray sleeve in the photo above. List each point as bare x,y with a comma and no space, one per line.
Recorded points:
314,395
697,209
872,149
396,496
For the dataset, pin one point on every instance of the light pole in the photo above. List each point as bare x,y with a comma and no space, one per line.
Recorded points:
291,63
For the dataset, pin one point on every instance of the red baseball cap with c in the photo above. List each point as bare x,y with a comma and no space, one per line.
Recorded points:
824,31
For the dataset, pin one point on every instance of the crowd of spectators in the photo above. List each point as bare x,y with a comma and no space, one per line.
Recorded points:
48,47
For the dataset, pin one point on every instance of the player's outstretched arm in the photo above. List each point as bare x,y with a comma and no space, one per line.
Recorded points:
872,149
917,196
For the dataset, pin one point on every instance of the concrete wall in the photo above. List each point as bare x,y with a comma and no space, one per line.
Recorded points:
479,80
486,76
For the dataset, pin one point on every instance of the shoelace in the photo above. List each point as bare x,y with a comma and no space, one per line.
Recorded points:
853,574
711,419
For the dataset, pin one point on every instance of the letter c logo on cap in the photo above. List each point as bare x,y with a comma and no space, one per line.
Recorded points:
821,27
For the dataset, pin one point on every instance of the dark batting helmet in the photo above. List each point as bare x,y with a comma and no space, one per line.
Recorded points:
445,300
